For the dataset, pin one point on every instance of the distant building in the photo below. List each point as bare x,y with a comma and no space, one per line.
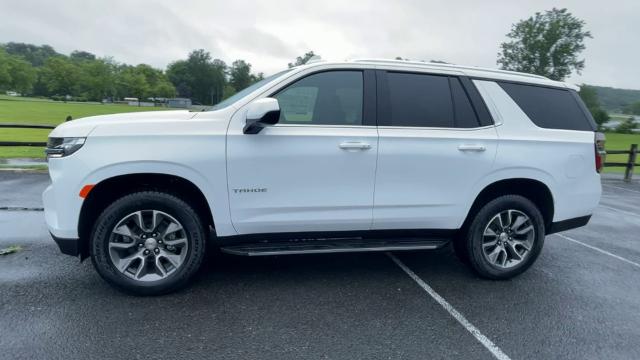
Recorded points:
182,103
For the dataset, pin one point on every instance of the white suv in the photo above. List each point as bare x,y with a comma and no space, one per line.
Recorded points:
363,155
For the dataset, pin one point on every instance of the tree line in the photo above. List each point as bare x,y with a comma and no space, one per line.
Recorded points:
548,43
40,71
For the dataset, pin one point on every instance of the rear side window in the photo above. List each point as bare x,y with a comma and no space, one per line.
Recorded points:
423,100
418,100
550,108
465,116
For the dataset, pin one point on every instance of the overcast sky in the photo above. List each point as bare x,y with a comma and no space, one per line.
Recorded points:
269,34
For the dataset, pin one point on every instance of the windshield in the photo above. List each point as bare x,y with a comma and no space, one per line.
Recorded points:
244,92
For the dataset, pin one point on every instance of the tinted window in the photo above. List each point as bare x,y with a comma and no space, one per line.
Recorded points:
549,107
418,100
327,98
464,114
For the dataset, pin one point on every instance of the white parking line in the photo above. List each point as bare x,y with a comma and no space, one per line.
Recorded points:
495,350
620,211
599,250
621,188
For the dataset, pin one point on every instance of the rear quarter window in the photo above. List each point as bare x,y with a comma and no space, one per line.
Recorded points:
550,108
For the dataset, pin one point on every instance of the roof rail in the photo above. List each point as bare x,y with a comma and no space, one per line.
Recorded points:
450,66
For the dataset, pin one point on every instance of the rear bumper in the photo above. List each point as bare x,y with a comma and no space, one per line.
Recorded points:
68,246
568,224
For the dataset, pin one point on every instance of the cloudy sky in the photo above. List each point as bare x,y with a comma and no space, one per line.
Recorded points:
269,34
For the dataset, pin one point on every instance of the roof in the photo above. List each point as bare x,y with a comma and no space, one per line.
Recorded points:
471,71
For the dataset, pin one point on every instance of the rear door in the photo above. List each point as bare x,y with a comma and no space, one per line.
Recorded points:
436,141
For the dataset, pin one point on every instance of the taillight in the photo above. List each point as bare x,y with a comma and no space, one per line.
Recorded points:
599,150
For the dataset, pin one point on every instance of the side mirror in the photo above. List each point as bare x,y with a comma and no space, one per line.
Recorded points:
261,113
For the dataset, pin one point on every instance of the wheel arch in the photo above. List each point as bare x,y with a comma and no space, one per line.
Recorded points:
535,190
109,189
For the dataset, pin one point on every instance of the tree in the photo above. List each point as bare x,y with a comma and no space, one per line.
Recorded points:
60,76
164,89
257,77
633,108
627,126
5,75
23,76
546,44
132,83
301,60
97,79
240,75
16,74
36,55
590,98
199,77
82,55
228,91
180,76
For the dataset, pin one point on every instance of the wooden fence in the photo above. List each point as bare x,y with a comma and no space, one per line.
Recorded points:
631,160
628,173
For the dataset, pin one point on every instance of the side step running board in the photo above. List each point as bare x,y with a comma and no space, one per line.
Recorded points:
331,246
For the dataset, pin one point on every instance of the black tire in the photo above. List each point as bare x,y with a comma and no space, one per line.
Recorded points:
472,249
146,200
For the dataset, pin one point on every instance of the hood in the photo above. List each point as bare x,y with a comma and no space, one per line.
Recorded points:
84,126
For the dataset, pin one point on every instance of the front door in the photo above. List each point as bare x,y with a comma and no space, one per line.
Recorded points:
315,169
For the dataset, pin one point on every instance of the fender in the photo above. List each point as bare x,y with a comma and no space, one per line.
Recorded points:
507,174
217,200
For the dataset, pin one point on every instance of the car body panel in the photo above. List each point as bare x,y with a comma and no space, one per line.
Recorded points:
353,191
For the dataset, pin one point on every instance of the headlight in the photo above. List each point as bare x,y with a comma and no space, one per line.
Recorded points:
60,147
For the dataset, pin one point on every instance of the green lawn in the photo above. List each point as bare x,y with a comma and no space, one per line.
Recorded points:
620,142
39,111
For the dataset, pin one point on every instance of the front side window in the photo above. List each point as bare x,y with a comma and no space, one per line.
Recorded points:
326,98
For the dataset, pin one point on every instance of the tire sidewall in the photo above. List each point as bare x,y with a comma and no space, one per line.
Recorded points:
476,230
147,201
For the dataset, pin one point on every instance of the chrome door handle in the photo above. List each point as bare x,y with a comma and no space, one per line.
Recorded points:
354,145
471,147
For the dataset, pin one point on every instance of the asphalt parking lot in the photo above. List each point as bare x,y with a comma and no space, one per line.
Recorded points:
581,300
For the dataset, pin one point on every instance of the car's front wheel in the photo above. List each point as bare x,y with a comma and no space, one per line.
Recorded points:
148,243
505,237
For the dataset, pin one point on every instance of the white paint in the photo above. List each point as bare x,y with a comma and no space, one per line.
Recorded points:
493,348
401,178
599,250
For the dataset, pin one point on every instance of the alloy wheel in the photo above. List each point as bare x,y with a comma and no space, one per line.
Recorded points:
508,238
148,245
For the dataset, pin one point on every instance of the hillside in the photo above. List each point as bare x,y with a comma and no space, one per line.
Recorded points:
614,100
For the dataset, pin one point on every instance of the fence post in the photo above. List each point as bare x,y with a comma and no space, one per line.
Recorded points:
633,152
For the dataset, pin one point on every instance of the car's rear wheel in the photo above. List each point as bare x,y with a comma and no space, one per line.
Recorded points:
148,243
505,237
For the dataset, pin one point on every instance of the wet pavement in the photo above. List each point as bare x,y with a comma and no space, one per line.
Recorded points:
581,300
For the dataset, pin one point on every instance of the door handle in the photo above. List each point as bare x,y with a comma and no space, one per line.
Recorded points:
471,147
354,145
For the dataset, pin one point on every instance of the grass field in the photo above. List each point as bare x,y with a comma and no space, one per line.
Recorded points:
38,111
